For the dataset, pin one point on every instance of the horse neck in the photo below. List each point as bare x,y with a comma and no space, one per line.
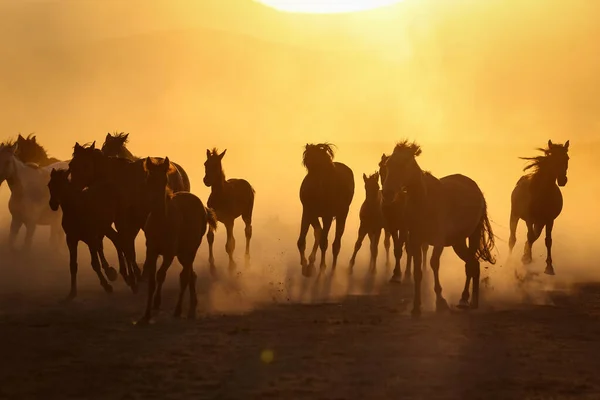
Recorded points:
543,178
373,197
417,189
125,153
158,207
15,181
219,185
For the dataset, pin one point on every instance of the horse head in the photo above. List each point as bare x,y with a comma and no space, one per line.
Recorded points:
213,168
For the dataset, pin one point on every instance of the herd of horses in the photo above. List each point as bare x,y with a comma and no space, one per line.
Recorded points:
109,192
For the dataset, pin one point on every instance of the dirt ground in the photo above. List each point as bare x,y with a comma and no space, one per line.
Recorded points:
333,347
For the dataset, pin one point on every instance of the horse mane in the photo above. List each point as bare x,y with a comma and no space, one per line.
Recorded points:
8,142
29,143
538,163
322,148
33,165
406,145
121,136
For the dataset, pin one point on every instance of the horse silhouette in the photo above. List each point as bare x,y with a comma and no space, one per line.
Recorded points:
371,222
30,151
537,200
394,217
440,212
175,227
326,192
230,199
87,216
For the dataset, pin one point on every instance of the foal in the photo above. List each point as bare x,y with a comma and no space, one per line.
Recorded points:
230,199
87,216
371,221
174,228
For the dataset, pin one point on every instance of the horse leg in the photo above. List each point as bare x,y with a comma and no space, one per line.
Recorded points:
440,302
94,248
474,242
397,274
462,250
184,281
415,248
30,231
150,266
327,221
549,267
375,237
514,221
230,244
340,226
111,273
15,226
386,245
210,238
304,225
533,233
72,244
247,218
193,296
317,236
161,275
362,232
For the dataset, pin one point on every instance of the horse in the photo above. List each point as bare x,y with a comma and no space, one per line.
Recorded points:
30,151
371,222
326,192
28,203
441,212
230,199
175,228
537,200
395,224
87,216
115,146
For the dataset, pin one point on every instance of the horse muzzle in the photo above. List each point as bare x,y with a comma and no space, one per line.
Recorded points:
562,181
206,182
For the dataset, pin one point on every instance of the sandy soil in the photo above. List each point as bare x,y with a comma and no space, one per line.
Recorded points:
270,343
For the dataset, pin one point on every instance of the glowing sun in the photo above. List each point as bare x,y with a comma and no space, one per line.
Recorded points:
326,6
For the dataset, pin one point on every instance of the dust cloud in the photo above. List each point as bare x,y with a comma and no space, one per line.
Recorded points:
477,84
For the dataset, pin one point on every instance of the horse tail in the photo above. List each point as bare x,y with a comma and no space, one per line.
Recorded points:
486,241
211,218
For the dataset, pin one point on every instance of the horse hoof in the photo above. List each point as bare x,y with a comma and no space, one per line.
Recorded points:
463,304
549,270
441,306
526,260
309,270
396,279
416,312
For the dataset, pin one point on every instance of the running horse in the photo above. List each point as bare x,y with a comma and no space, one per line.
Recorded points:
326,192
440,212
115,146
394,217
230,199
537,199
371,223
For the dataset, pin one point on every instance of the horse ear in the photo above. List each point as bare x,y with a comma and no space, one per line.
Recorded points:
166,163
567,144
365,177
53,172
108,137
207,153
549,143
126,136
93,146
222,154
147,163
20,137
34,139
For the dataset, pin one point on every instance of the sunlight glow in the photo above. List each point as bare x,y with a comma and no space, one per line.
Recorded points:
326,6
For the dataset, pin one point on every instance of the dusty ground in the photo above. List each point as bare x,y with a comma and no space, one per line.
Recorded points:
349,347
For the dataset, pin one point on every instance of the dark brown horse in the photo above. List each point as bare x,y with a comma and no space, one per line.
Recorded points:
395,223
537,199
30,151
440,212
115,146
87,216
175,228
371,222
89,166
230,198
326,192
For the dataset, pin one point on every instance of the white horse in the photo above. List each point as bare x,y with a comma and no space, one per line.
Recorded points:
29,199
